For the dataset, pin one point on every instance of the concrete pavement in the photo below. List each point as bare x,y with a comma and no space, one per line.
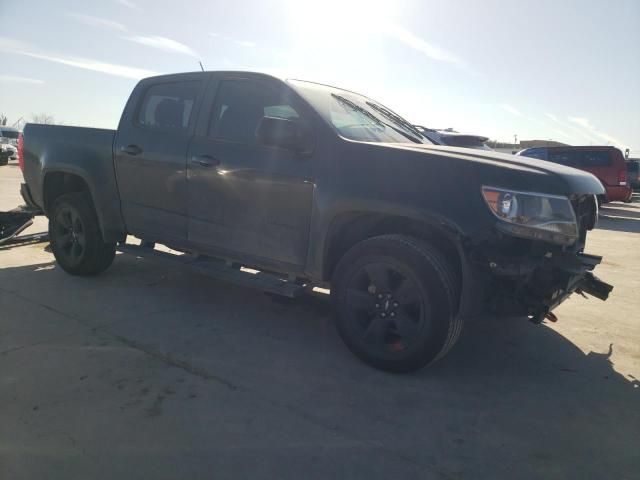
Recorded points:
152,372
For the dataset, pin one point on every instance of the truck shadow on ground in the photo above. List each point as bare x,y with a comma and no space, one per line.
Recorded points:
508,386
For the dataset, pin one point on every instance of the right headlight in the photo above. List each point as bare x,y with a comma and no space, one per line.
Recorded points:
533,215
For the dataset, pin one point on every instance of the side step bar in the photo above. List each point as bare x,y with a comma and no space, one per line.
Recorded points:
221,270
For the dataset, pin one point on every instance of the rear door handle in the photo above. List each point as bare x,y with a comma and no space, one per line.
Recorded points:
205,160
131,150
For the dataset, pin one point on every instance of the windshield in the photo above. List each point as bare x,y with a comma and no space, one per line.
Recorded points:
8,133
357,117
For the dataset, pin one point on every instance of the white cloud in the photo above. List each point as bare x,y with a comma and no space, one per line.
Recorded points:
512,110
593,131
9,44
15,47
128,4
413,41
575,131
98,22
562,133
94,65
242,43
163,43
583,122
16,79
245,43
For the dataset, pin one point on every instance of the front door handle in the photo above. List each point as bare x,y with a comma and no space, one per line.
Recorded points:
205,160
131,150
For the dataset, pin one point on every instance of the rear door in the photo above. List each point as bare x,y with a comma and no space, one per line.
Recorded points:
246,198
150,155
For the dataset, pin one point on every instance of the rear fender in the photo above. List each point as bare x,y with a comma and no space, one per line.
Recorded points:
106,201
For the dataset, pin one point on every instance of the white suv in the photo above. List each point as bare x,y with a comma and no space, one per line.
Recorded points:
454,139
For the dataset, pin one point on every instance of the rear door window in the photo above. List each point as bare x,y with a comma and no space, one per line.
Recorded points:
168,106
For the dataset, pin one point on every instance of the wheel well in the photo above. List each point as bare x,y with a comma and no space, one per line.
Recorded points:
349,229
60,183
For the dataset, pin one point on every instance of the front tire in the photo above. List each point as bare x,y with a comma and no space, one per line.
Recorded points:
396,300
76,240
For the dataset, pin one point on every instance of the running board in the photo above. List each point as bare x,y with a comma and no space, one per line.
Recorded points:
221,270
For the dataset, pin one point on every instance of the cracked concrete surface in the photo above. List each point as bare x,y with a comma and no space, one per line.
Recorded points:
153,372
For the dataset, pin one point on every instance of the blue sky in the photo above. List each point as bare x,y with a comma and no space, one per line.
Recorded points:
565,70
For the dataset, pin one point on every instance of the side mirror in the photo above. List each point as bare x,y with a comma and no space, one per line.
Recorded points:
280,132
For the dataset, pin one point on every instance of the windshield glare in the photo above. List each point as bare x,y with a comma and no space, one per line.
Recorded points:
357,117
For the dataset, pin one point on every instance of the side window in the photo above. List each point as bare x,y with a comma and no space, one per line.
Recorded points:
168,105
582,158
570,158
241,104
595,158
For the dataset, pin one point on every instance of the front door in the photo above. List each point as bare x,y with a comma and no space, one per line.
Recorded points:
246,198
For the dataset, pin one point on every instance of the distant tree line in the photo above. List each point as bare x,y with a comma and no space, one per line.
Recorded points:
43,118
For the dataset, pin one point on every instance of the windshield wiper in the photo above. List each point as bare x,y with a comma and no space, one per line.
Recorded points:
371,116
396,119
358,108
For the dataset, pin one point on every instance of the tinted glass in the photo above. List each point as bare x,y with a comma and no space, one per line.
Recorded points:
9,133
581,158
241,104
168,105
468,141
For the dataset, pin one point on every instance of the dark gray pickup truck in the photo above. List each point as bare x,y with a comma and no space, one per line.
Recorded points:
318,186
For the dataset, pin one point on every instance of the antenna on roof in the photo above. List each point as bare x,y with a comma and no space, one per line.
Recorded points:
201,67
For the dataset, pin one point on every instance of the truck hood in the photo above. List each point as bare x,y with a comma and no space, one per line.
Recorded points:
576,181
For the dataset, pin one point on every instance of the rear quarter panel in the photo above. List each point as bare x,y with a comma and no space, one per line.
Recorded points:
85,152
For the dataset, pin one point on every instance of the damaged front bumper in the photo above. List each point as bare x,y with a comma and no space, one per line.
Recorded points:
572,274
531,279
525,277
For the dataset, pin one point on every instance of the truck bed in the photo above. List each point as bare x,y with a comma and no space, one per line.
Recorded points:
80,151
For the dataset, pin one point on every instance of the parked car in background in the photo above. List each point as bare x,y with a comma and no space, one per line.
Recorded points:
633,172
606,163
452,138
8,144
9,135
7,152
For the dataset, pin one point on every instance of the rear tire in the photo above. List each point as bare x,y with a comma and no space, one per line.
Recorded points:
76,240
396,300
